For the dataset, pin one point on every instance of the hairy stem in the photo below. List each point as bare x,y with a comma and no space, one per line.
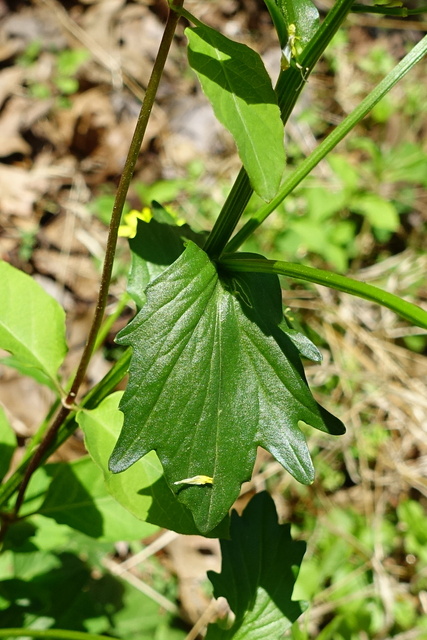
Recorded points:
132,157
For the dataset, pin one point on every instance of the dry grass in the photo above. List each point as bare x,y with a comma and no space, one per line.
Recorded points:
381,389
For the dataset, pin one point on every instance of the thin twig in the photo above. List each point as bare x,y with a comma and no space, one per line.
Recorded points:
134,149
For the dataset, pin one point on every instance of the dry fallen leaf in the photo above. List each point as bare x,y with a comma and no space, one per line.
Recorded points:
11,80
191,557
77,272
20,189
17,117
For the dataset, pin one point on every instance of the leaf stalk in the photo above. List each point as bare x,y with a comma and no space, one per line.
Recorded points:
403,308
293,180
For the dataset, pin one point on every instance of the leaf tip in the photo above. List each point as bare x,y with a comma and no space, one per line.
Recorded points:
120,461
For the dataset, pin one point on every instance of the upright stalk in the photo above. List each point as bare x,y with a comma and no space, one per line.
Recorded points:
129,168
288,89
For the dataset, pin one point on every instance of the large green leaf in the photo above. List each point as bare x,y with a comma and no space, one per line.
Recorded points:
212,376
142,490
32,324
236,82
260,564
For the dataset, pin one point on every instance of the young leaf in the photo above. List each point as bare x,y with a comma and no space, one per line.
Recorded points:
212,377
32,324
260,564
142,490
7,444
236,82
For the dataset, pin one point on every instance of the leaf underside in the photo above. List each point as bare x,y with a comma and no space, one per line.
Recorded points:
260,564
211,378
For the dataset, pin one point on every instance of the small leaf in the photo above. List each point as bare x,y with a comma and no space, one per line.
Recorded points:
237,84
142,490
25,369
260,564
211,378
380,213
7,444
304,15
304,345
32,324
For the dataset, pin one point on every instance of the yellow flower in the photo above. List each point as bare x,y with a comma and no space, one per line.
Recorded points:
128,229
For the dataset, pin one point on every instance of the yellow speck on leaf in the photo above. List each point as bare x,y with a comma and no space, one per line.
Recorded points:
196,480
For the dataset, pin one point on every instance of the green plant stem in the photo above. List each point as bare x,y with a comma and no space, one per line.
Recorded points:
414,56
110,320
388,11
110,381
119,202
288,88
405,309
126,177
61,634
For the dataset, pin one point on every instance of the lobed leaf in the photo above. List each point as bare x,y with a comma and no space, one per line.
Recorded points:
32,325
260,565
212,377
234,79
